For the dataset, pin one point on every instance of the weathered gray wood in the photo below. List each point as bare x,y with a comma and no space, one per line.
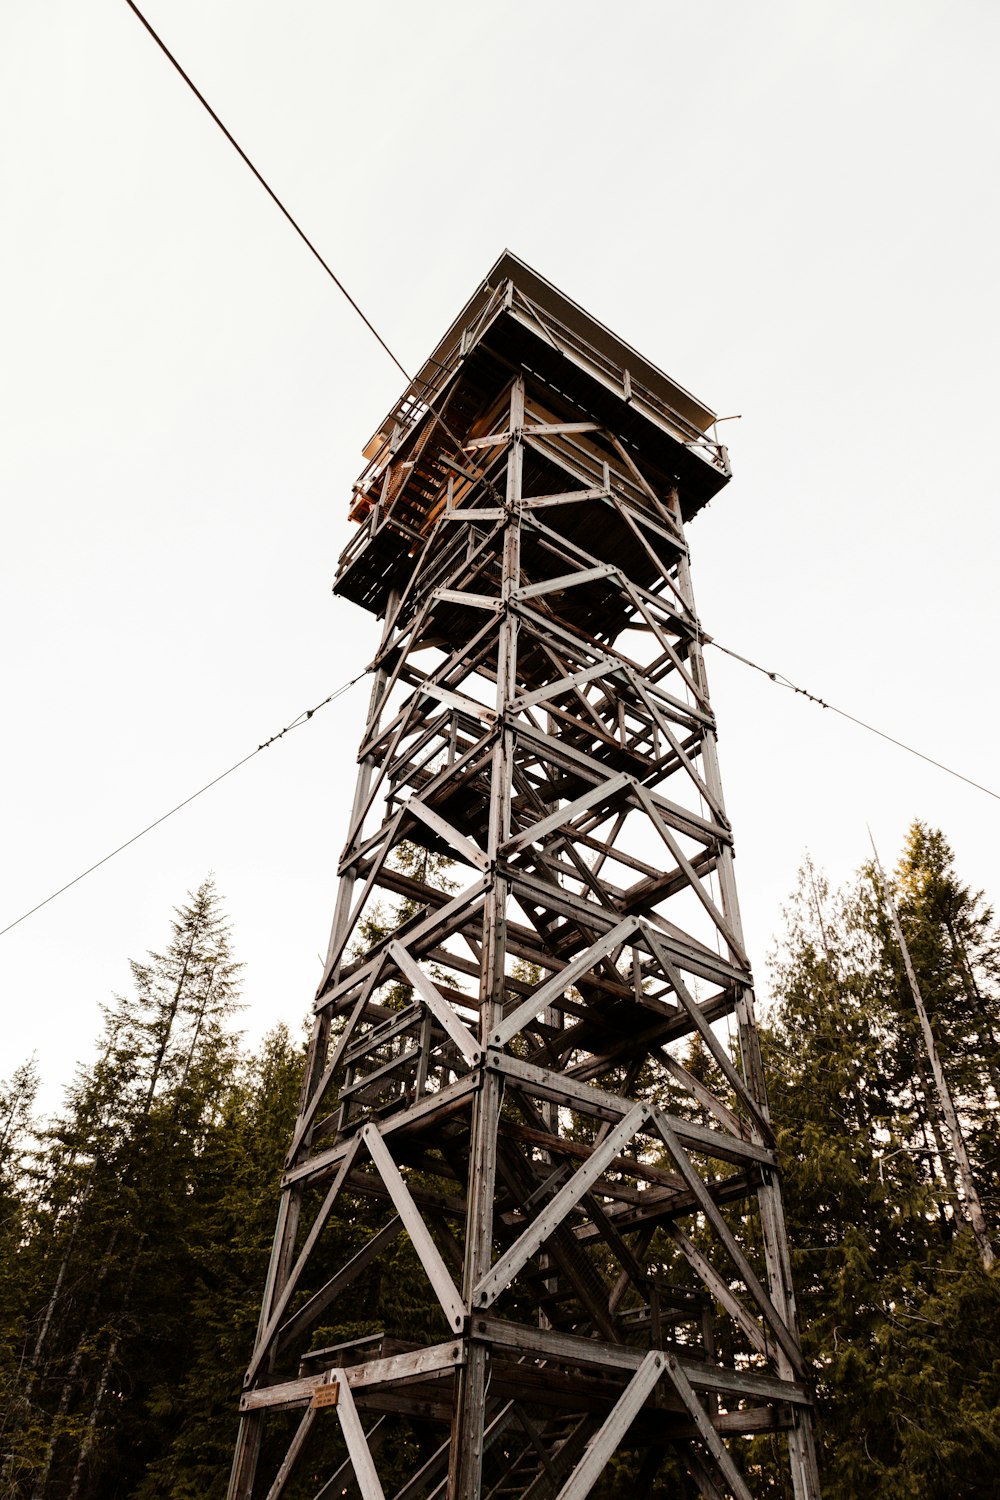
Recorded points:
317,1304
566,581
783,1333
677,853
601,794
427,1252
287,1291
706,1431
462,846
436,1003
711,1041
720,1290
335,1486
357,1445
531,1008
540,714
435,1360
506,1268
605,1441
291,1457
321,1165
565,497
565,1089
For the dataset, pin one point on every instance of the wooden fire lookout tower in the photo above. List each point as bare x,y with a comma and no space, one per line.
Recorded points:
534,1081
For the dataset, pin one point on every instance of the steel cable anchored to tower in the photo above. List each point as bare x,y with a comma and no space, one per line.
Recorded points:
774,677
780,680
777,678
297,723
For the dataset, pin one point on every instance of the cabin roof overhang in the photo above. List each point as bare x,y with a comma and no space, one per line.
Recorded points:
517,324
529,323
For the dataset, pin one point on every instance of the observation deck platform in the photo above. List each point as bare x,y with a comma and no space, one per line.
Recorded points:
635,429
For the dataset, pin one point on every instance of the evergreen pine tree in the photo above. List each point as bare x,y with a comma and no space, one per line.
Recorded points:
955,949
899,1320
108,1263
17,1098
232,1225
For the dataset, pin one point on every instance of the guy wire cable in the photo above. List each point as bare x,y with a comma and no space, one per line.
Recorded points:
296,723
269,190
303,718
782,681
776,677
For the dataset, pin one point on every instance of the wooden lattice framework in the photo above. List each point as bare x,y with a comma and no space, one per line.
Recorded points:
534,1063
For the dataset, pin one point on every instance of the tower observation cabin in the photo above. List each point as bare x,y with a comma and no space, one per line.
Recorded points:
578,372
530,1241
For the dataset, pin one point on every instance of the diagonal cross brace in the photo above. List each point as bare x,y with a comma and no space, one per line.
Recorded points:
560,982
292,1456
735,947
598,796
510,1263
708,1036
706,1431
427,1252
782,1333
357,1444
287,1291
464,847
618,1421
435,1003
720,1289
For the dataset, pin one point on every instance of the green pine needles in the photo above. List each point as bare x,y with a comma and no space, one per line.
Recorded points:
135,1228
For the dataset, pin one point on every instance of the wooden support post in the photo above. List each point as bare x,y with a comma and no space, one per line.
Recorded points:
537,915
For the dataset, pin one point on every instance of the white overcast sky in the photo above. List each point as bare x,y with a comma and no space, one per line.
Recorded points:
791,206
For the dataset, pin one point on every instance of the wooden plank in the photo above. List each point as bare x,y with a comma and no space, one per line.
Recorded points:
565,497
435,1002
503,1271
555,987
564,581
317,1304
463,847
308,1114
601,795
711,1041
288,1462
784,1335
552,690
472,514
458,700
558,1145
451,1096
564,1089
357,1446
574,1351
706,1431
335,1486
544,429
430,930
467,599
720,1289
288,1290
605,1441
427,1252
420,1364
735,946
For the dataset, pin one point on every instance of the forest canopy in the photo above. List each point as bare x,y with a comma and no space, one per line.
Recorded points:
136,1225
